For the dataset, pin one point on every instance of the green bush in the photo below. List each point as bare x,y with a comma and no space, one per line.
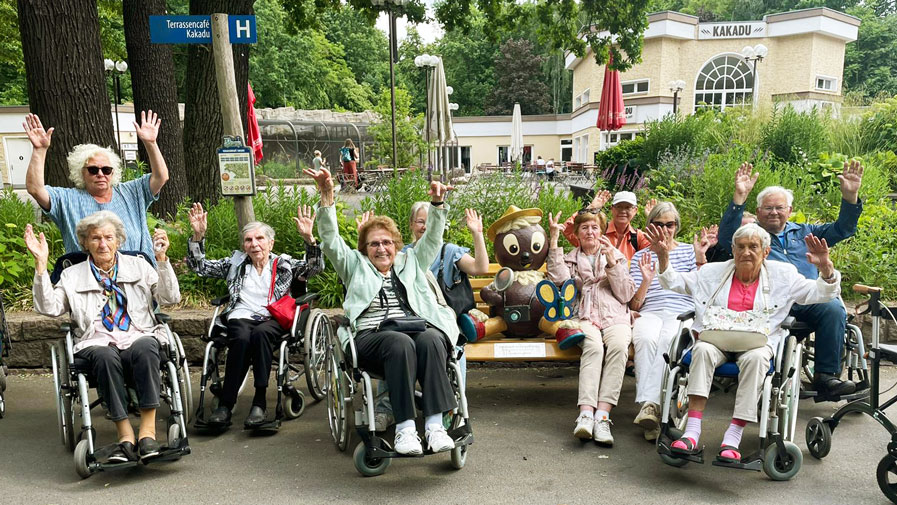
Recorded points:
793,136
870,256
678,133
279,170
878,128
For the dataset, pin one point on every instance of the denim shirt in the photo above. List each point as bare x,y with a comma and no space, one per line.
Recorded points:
794,249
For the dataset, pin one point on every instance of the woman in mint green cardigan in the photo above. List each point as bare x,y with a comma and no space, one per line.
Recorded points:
385,283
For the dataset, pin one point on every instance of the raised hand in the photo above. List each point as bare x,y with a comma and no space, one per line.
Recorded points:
662,240
474,221
148,129
198,221
37,246
305,223
601,199
647,267
606,247
649,206
40,138
851,178
555,228
438,190
707,239
745,178
363,218
818,254
160,244
322,178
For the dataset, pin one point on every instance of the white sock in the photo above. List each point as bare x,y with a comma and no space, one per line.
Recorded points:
601,414
434,421
404,425
733,434
693,428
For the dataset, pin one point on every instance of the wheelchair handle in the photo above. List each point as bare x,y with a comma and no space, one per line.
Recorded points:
862,288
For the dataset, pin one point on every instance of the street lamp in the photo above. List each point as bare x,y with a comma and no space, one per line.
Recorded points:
753,55
428,63
676,87
393,57
116,68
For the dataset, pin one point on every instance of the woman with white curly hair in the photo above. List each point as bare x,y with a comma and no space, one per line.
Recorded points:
96,174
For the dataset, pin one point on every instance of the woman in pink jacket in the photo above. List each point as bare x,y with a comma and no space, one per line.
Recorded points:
602,274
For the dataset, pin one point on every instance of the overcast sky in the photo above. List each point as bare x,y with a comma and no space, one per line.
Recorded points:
429,31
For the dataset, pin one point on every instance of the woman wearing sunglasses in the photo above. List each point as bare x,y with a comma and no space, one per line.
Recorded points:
656,325
96,173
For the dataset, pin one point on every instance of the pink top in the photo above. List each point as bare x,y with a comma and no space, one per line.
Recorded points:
741,297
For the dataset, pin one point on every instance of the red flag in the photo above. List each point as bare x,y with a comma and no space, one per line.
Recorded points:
253,135
610,111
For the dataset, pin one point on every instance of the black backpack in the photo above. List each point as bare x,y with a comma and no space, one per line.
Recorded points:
458,296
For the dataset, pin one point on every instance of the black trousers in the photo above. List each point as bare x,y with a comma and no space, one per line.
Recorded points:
110,366
403,360
249,343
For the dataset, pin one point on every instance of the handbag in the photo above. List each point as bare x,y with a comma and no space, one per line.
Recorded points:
734,331
408,324
284,308
459,296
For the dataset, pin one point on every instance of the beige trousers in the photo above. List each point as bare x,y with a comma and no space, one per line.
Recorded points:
753,366
603,363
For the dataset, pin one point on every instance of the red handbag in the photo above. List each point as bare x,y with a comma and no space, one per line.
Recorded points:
284,308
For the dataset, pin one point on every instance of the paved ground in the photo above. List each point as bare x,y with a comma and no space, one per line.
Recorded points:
524,453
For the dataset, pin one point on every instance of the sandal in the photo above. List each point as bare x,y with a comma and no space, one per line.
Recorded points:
689,450
729,459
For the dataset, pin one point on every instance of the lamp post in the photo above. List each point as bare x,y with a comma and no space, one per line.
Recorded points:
453,107
428,63
676,87
753,55
116,68
393,57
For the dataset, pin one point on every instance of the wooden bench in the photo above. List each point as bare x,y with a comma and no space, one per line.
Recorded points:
501,348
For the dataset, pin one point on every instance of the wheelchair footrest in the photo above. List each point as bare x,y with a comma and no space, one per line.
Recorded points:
697,457
267,426
750,463
462,435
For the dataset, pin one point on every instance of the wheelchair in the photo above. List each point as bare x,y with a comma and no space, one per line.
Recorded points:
306,341
819,431
5,346
72,380
778,456
351,399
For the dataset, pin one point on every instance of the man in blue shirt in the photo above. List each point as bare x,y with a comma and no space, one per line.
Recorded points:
828,320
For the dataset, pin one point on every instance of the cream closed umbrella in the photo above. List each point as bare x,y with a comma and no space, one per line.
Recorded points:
440,124
516,135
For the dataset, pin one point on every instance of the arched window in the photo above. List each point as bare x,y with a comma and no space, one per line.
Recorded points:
725,81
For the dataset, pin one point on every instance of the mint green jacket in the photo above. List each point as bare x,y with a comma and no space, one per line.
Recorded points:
363,281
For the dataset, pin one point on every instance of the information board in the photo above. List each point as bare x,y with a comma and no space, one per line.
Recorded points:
236,171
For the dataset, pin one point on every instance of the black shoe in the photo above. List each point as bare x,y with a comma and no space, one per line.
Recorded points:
831,385
220,416
148,447
256,417
123,453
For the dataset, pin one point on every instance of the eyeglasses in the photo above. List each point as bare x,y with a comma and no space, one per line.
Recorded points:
778,209
589,210
94,170
377,243
668,224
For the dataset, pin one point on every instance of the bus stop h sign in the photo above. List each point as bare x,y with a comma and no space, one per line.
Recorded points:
198,29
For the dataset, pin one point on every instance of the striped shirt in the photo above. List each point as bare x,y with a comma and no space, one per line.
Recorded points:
130,200
385,306
682,259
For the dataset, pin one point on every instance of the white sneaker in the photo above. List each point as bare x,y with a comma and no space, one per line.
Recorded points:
584,425
438,440
648,417
651,435
601,432
408,442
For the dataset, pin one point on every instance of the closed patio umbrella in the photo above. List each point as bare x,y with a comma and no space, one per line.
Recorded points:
611,115
516,135
440,124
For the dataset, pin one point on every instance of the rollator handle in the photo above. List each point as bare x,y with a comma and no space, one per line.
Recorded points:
862,288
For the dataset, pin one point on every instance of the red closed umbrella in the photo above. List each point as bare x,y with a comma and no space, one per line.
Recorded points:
253,135
610,111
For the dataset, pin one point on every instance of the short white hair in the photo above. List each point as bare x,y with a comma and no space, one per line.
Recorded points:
257,225
752,230
775,190
98,220
82,153
415,208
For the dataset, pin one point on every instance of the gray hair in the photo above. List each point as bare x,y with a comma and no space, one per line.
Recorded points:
775,190
81,154
97,220
752,230
416,208
665,208
257,225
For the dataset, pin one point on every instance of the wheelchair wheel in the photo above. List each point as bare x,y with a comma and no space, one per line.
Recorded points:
785,467
2,406
186,388
81,455
819,438
459,454
174,434
369,467
64,400
337,397
317,336
886,475
293,404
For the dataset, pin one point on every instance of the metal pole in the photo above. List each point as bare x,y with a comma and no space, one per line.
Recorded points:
754,86
427,126
392,88
117,122
675,101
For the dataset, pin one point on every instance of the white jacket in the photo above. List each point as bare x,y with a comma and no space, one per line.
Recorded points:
787,287
78,293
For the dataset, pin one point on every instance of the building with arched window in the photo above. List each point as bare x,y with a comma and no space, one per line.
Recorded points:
803,67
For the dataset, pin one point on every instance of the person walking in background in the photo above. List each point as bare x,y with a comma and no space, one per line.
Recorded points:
349,158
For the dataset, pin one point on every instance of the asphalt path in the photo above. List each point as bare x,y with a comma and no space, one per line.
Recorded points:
524,452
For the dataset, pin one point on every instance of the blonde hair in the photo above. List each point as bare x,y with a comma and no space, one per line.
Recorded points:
585,217
97,220
379,223
82,153
518,223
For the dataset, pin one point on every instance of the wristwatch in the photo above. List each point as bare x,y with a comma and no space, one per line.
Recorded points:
830,278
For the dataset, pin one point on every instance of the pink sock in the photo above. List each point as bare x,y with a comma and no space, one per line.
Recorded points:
733,437
692,429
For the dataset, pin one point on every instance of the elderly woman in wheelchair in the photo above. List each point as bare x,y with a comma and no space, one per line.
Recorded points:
397,326
110,299
740,308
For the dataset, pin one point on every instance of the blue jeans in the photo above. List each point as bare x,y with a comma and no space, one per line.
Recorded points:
829,322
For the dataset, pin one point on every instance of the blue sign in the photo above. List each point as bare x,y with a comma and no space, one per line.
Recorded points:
198,29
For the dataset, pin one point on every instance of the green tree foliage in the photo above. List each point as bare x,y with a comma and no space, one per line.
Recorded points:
514,81
365,47
869,64
12,65
408,128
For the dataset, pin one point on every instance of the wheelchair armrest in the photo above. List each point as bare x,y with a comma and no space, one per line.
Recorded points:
792,325
220,301
340,320
163,318
306,298
65,327
685,316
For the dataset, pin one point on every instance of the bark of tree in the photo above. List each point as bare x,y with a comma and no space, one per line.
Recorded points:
155,88
202,117
66,80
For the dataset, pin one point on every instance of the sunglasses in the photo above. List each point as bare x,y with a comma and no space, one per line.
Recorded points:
668,224
589,210
94,170
378,243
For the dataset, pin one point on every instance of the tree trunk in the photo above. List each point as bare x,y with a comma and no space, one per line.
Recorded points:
202,117
154,86
66,81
